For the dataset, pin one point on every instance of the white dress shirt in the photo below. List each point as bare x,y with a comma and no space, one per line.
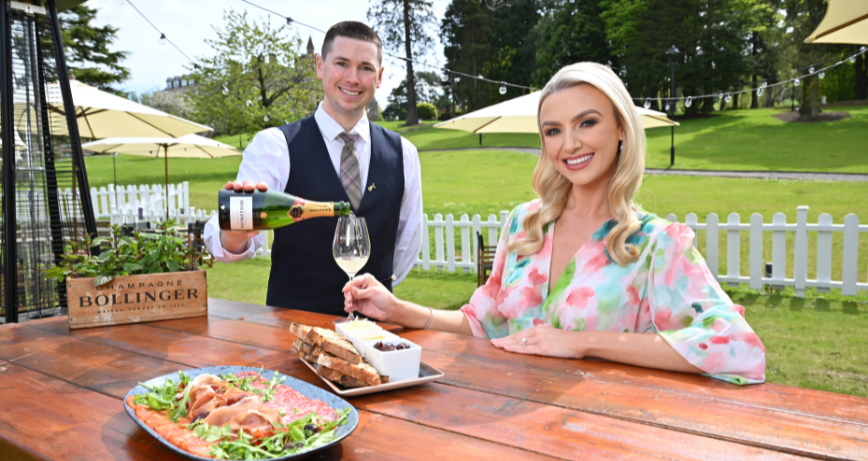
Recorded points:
266,159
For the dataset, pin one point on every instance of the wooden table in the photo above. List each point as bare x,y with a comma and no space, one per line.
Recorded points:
61,391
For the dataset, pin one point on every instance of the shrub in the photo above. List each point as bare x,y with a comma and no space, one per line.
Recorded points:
426,111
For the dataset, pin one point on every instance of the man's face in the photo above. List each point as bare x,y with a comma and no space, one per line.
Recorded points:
350,74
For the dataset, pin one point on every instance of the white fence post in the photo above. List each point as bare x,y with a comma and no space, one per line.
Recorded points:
756,252
711,244
466,254
476,229
733,249
824,253
450,243
850,266
779,250
800,252
438,241
690,221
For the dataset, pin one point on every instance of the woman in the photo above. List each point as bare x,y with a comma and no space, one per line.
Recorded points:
582,272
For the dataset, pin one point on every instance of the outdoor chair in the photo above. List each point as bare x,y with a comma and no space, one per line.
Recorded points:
484,260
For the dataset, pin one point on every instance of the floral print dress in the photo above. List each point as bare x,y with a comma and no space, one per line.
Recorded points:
668,290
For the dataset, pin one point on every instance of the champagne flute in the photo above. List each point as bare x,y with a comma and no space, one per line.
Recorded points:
351,247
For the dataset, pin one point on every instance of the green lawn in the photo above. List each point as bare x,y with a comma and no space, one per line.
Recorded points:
816,342
733,140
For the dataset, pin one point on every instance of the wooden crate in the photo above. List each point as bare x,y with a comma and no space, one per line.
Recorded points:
137,298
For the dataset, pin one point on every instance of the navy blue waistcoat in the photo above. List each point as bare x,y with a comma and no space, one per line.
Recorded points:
304,274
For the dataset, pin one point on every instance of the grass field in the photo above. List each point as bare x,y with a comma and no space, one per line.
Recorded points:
816,342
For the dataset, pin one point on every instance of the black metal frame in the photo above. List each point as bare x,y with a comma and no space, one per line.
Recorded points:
7,125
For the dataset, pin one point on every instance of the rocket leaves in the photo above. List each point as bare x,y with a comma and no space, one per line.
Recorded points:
165,250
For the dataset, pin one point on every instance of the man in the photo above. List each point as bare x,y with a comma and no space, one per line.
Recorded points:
334,155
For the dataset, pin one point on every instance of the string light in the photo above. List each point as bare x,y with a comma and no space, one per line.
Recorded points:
249,103
163,39
225,90
811,70
502,89
797,82
444,77
822,75
266,118
647,103
728,98
688,102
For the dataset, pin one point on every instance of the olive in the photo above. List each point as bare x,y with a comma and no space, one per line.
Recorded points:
201,415
312,428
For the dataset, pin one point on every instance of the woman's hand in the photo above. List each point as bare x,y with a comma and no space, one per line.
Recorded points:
367,295
543,340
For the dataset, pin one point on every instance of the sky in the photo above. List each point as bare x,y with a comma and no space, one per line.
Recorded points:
188,23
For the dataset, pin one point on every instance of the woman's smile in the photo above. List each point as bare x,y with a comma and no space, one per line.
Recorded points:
578,162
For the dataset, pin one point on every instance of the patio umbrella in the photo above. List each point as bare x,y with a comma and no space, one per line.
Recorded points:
518,115
103,115
846,21
189,146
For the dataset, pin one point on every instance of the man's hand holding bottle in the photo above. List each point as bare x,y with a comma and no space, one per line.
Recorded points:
236,241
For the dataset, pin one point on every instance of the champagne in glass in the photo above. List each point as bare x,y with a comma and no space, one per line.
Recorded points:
352,246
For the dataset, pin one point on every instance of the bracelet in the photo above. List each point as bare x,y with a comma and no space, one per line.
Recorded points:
430,318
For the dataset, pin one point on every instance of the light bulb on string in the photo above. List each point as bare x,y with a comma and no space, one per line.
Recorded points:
688,102
822,75
760,90
667,107
444,77
712,65
852,59
728,98
797,82
502,89
720,95
647,103
811,70
266,118
225,90
163,39
249,103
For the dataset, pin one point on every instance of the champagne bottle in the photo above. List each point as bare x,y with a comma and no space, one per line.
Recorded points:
270,210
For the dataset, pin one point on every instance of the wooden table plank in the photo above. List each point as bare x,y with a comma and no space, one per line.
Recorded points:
46,418
837,431
540,428
785,398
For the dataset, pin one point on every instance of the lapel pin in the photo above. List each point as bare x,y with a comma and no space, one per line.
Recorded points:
373,186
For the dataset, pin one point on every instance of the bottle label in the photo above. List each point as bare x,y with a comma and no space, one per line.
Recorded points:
303,210
241,213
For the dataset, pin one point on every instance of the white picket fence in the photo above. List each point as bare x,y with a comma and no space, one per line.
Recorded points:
144,203
446,258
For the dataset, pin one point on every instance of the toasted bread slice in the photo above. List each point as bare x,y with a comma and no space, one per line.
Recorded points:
346,381
334,344
361,371
328,340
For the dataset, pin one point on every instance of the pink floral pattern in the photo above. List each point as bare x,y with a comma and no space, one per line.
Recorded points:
668,291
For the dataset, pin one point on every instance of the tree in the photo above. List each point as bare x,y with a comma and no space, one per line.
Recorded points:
709,33
258,78
573,34
465,32
87,49
403,26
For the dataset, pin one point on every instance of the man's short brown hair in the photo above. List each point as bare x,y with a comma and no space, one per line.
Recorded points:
356,30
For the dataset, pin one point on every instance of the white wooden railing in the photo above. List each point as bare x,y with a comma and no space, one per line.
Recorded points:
446,258
128,204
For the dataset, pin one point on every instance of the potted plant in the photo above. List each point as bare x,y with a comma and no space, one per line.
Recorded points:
144,277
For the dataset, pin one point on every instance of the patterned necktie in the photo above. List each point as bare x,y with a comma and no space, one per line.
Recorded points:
350,172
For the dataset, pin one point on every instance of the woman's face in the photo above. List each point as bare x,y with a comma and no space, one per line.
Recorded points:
581,134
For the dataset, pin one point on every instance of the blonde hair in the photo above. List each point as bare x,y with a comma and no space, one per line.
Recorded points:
554,189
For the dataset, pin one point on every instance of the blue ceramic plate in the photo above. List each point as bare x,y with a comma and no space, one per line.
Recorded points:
308,390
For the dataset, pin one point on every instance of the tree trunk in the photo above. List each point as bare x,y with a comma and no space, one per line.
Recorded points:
412,118
811,99
860,89
754,99
735,101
